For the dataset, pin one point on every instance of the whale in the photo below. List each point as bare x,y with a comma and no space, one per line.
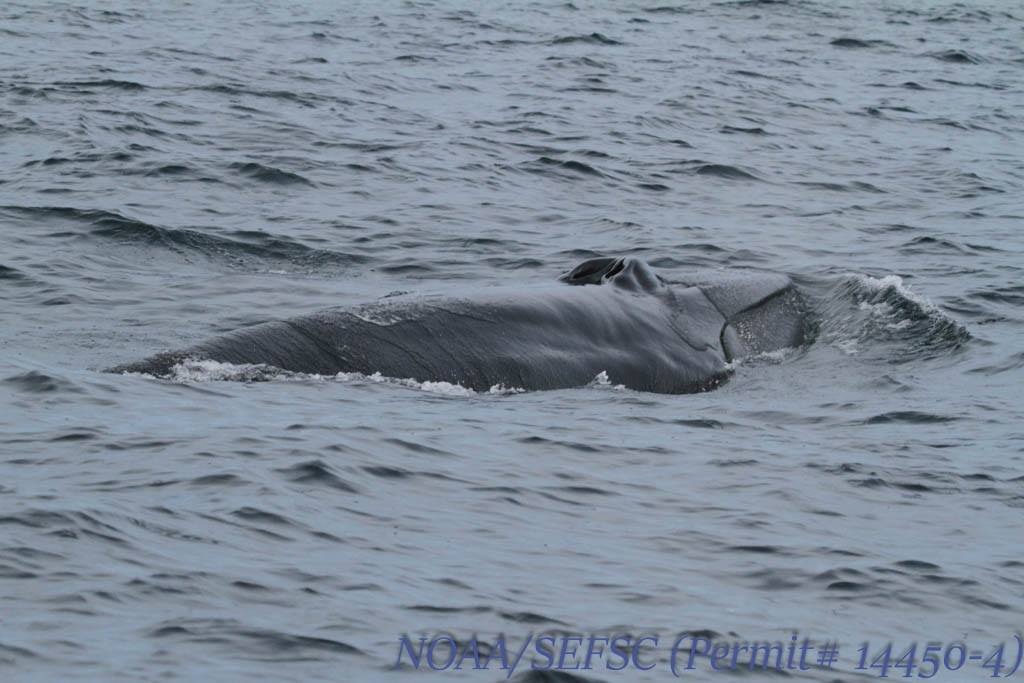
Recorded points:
614,315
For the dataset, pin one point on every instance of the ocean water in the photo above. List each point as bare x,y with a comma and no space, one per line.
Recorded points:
171,171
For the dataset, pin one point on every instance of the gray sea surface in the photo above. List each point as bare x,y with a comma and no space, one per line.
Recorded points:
170,171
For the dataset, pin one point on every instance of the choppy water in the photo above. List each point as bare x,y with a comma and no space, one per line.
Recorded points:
170,172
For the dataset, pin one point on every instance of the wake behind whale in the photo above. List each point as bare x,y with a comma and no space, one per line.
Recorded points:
611,315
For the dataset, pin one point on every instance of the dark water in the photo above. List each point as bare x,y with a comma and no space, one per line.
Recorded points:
168,174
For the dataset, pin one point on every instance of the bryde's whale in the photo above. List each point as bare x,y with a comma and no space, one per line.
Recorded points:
612,315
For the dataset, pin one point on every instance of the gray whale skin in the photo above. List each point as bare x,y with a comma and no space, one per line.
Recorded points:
612,315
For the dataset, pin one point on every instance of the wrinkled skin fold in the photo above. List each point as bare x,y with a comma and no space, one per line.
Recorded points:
613,315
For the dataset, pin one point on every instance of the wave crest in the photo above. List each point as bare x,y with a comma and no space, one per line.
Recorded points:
861,312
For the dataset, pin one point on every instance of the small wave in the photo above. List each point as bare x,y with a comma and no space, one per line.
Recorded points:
412,59
1011,363
168,170
238,249
907,416
545,166
269,174
864,311
859,43
731,130
33,382
118,157
14,277
504,42
579,61
589,39
252,642
746,73
912,85
957,57
963,84
725,171
8,273
104,83
926,244
570,165
960,14
855,186
1010,294
752,3
668,9
316,473
304,99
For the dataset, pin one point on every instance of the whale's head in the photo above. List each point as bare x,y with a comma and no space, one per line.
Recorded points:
624,272
746,312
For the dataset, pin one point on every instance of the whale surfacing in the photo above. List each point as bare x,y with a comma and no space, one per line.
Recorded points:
613,315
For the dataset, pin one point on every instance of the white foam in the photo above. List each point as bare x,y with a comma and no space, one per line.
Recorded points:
773,357
895,282
196,371
379,316
502,389
884,309
601,380
189,371
885,313
443,388
776,356
848,346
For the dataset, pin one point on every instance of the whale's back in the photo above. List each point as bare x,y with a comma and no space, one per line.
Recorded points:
623,319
